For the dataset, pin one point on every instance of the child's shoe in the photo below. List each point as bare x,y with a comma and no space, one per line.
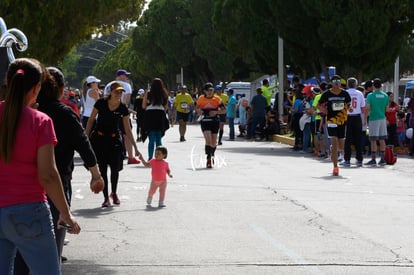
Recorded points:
162,204
149,201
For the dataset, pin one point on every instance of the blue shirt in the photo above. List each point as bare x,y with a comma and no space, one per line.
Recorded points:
259,104
231,105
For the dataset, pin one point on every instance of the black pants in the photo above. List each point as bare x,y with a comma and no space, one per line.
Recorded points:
353,136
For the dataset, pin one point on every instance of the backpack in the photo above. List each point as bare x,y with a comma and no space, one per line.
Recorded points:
389,156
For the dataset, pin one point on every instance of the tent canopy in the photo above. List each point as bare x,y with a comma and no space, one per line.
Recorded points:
409,85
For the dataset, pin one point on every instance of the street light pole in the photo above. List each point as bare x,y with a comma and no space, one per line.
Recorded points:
281,79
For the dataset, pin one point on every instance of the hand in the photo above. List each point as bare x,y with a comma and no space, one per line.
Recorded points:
97,184
170,175
69,223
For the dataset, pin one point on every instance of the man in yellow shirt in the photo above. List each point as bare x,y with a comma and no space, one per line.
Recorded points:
183,103
267,92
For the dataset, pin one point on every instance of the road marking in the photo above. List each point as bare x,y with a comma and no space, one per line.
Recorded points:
295,257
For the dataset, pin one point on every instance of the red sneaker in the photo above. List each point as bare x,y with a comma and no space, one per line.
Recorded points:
133,161
335,171
115,199
106,203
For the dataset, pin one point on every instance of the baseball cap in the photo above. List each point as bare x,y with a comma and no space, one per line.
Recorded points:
141,91
218,87
116,87
335,77
90,79
122,72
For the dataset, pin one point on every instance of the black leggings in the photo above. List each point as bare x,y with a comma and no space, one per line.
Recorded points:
103,168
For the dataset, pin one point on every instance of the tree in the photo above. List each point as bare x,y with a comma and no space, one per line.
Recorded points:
53,28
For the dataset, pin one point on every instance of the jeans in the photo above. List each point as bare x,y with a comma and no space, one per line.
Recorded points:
306,137
256,120
154,139
231,127
29,228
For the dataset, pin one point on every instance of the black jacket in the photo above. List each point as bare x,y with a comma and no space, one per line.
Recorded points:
70,135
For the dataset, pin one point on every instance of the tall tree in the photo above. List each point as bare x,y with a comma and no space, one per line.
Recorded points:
53,28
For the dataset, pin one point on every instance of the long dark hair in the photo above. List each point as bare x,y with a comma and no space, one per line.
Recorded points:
158,94
22,76
51,86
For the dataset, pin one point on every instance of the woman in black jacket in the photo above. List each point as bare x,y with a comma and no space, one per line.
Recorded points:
155,124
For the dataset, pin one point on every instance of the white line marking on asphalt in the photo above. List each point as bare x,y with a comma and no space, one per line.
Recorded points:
298,259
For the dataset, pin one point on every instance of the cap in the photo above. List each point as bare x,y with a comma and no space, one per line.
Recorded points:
208,85
90,79
335,77
122,72
141,91
117,87
377,83
184,87
217,88
307,90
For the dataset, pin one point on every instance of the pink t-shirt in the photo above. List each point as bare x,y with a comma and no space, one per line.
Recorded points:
159,169
19,181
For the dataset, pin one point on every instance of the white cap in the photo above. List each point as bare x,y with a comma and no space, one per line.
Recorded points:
91,79
141,91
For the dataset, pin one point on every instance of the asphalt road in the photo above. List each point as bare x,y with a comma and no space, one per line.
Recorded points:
263,209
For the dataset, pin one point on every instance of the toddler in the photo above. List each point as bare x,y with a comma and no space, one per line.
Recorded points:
159,170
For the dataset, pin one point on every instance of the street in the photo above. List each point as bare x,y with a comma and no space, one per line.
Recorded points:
263,209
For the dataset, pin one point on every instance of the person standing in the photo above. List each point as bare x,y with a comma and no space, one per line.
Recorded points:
139,113
28,172
122,76
241,107
155,124
160,168
183,103
209,106
354,124
335,102
92,94
106,140
267,93
222,117
376,106
391,117
231,112
258,113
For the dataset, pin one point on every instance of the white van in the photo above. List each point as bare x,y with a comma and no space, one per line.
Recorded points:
240,89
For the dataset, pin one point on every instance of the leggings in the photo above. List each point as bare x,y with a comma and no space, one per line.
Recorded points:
155,185
103,168
154,139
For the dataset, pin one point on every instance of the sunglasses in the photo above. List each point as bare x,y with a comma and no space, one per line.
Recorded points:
336,81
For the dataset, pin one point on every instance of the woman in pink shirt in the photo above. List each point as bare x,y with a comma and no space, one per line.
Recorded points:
27,172
160,169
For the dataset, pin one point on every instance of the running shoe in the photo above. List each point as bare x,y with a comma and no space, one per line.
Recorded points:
209,164
359,163
346,163
115,199
382,162
372,162
133,161
106,203
335,171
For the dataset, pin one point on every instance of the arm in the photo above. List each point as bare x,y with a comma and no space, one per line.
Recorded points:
128,133
145,100
50,180
91,121
366,113
144,162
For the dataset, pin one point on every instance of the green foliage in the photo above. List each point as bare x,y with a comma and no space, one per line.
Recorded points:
53,28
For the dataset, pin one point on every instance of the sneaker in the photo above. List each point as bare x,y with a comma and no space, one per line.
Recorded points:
149,201
220,143
346,163
359,163
182,139
161,204
372,162
335,171
133,161
66,241
115,199
209,164
340,157
382,162
106,203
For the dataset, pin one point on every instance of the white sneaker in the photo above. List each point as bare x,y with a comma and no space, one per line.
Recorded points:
149,201
340,157
161,204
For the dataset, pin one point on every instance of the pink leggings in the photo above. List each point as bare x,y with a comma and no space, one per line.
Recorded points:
154,186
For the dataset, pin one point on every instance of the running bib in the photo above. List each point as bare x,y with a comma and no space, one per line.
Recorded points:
337,106
184,105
